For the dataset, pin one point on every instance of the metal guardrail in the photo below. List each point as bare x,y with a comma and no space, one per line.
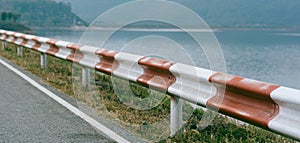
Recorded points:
272,107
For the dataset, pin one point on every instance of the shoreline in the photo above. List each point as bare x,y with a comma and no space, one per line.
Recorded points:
18,27
138,29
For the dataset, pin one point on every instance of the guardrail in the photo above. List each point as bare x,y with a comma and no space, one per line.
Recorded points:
272,107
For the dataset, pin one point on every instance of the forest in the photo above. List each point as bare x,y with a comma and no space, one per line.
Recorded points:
40,13
9,21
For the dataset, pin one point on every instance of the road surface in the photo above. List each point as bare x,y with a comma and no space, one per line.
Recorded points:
28,115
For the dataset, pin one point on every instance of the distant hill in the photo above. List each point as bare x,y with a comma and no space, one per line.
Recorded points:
42,13
225,13
91,9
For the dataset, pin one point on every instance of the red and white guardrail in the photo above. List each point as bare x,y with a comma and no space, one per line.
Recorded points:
272,107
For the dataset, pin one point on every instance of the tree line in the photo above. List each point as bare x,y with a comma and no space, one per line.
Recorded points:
41,13
9,17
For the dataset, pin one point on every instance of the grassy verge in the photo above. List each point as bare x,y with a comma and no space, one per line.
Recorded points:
61,75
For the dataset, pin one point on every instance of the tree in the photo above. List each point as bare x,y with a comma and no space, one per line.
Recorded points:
15,17
3,16
9,16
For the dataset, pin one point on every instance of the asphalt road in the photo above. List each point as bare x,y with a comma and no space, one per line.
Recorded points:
28,115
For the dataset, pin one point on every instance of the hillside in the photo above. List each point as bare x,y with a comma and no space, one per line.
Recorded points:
42,13
225,13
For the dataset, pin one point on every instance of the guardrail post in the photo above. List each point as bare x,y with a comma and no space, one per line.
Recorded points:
43,61
3,45
86,77
176,115
20,51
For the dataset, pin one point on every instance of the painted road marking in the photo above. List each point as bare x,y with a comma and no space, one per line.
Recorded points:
70,107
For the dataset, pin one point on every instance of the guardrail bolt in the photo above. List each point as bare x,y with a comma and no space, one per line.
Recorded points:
176,115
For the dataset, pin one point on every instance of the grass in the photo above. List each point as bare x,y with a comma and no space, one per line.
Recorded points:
103,97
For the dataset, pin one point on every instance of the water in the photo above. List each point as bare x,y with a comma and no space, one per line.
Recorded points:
65,35
270,56
263,55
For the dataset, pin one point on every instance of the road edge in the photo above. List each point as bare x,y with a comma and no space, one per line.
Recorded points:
70,107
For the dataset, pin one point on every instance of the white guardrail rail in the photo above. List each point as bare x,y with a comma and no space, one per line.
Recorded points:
272,107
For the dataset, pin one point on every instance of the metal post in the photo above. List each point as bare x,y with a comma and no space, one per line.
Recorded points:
86,77
3,45
43,61
176,115
20,51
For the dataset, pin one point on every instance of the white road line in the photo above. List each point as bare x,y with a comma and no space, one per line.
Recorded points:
70,107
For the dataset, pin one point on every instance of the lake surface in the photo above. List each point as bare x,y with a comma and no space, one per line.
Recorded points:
270,56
